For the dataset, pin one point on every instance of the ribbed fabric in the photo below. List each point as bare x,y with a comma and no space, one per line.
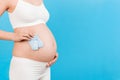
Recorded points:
28,69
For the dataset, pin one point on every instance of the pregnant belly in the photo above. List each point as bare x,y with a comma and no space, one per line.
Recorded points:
46,53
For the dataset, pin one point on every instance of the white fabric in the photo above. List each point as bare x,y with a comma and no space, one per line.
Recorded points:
27,14
28,69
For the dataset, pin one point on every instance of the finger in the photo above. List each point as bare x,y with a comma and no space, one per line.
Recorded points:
47,65
27,35
53,61
31,34
24,35
50,64
56,56
25,38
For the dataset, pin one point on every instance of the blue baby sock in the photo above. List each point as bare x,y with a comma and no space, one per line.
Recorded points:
40,43
35,42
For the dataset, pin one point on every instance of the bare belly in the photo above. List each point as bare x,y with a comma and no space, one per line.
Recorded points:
46,53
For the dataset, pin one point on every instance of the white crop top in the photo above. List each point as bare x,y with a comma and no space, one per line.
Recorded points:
27,14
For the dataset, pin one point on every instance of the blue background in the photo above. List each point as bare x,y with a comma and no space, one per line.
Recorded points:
87,33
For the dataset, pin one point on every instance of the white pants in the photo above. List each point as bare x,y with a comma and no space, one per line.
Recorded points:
27,69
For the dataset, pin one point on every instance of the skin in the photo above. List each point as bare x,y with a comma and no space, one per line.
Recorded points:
20,36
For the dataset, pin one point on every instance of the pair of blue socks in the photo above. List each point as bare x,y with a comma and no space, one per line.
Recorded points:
35,42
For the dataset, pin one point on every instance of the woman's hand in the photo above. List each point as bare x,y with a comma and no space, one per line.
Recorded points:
22,36
52,61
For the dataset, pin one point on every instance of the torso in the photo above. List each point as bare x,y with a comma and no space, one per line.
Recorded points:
23,49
